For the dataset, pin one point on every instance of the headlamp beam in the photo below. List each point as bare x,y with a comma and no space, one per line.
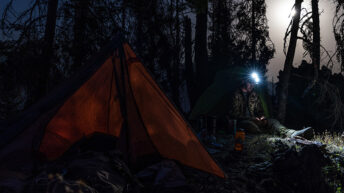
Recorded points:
255,77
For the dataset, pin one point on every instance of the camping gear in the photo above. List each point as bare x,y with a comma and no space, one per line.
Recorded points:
234,126
207,125
212,127
239,140
231,126
85,169
114,95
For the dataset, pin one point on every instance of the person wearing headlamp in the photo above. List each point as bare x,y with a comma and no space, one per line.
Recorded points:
247,109
246,103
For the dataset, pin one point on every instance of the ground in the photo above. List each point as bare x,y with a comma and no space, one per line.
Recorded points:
272,164
267,164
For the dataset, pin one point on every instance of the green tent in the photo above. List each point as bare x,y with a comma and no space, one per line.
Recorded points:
216,99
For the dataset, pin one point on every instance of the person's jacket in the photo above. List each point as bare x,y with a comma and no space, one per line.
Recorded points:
239,105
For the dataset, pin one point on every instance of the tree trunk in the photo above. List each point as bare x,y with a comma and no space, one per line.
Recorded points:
201,52
316,39
253,33
338,30
189,70
341,51
283,95
124,16
80,46
176,67
47,52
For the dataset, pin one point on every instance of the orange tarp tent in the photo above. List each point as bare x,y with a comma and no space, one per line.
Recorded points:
118,97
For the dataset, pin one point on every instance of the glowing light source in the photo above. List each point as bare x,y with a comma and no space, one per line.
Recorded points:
255,77
281,13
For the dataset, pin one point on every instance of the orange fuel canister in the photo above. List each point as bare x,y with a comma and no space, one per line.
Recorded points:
239,140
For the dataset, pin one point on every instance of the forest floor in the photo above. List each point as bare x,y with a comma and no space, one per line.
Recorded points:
273,164
267,164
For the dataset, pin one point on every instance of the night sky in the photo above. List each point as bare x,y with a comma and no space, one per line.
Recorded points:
277,14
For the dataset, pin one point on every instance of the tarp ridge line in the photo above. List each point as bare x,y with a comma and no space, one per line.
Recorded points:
135,102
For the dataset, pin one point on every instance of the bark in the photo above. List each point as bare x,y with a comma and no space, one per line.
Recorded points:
201,52
283,95
316,39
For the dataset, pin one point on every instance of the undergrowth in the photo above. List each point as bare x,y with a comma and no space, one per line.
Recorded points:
330,138
334,172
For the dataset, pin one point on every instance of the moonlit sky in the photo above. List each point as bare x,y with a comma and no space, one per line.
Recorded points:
277,14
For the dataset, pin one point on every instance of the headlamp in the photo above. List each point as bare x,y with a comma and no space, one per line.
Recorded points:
255,77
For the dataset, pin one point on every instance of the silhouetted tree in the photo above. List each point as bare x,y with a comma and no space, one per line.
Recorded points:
32,33
221,37
310,30
288,63
201,50
338,29
316,39
189,69
253,39
47,53
158,38
65,34
81,22
322,108
177,54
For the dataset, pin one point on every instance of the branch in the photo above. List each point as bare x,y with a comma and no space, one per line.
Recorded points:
304,16
288,31
330,57
4,16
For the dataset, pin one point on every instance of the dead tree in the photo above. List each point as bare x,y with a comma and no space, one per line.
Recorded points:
189,69
338,30
316,39
288,63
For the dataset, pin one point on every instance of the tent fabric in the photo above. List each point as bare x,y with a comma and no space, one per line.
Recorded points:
20,136
115,96
170,134
216,99
87,111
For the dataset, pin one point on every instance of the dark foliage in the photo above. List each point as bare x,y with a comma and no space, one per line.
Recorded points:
338,29
54,42
321,106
